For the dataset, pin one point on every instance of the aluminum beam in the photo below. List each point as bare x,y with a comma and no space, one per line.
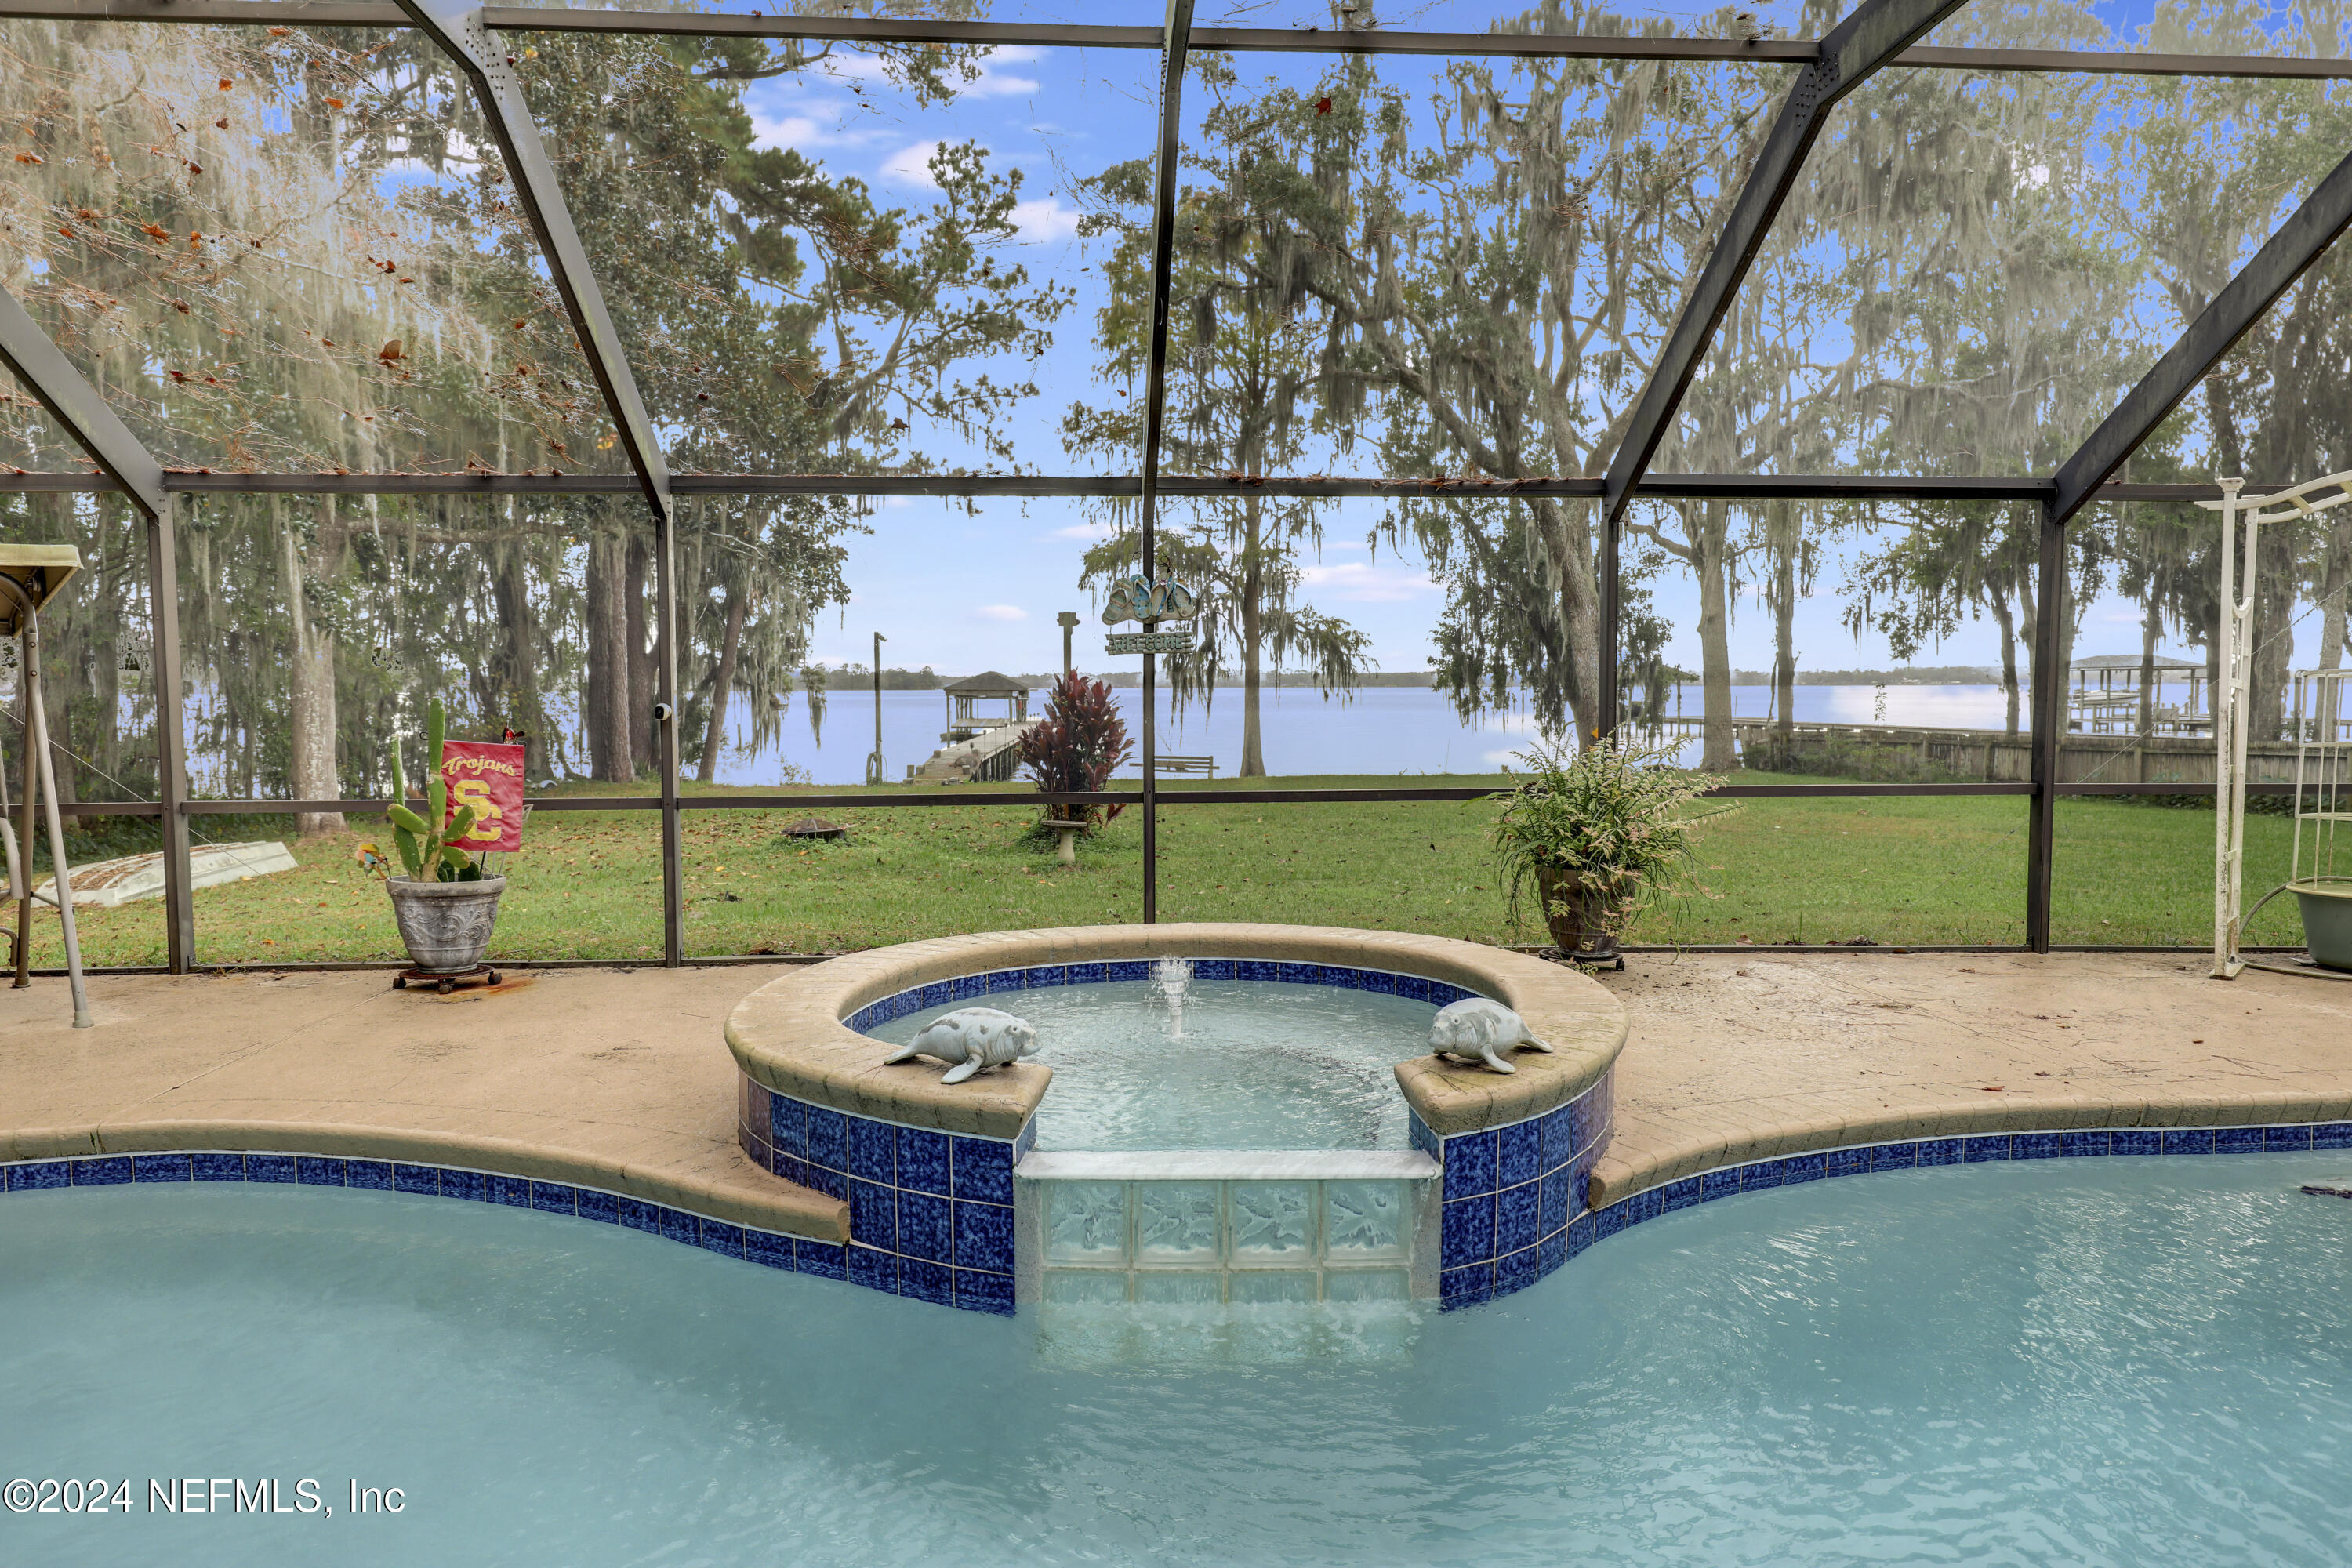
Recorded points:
44,370
459,30
1246,40
2049,726
2283,257
1866,41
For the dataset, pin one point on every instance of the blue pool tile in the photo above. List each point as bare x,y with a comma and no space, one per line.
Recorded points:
2332,1135
875,1269
924,1230
1559,1205
1579,1187
1075,974
979,1292
231,1168
1588,1115
1556,1129
638,1215
1042,976
2136,1141
2081,1145
1469,1165
767,1249
471,1185
968,987
831,1183
1517,1270
602,1208
1413,987
1992,1147
1002,980
1519,1153
269,1168
759,1151
871,1152
938,993
1467,1286
1894,1156
313,1171
1344,976
674,1224
1798,1168
1024,1140
1720,1183
2034,1146
1609,1221
1846,1162
513,1191
376,1174
983,1170
40,1175
719,1237
1417,1132
1220,969
180,1168
555,1198
1553,1252
1519,1217
926,1281
922,1160
1942,1151
828,1139
1580,1234
1761,1173
1645,1206
1301,974
1468,1233
2286,1138
424,1179
983,1237
1382,982
107,1171
788,1126
1445,993
823,1259
2188,1140
793,1171
1260,970
2237,1141
1126,969
874,1216
1683,1194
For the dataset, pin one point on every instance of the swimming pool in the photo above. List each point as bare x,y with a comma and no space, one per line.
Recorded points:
2137,1361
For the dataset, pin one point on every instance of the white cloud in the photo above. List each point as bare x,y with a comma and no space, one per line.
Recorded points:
1002,612
1044,219
1364,583
912,165
1087,531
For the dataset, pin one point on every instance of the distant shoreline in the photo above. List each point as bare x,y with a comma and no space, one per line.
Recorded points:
852,677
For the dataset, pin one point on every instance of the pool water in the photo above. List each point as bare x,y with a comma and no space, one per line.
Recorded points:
1241,1065
2125,1361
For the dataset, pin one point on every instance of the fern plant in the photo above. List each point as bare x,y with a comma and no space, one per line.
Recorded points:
424,843
1596,836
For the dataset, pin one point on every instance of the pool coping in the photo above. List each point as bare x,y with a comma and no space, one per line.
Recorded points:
790,1035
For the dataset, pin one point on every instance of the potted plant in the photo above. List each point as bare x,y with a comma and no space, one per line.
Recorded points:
445,907
1596,836
1074,750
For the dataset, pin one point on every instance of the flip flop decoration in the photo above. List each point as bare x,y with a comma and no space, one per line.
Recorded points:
1138,598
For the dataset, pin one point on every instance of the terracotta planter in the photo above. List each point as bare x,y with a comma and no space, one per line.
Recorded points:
1577,913
446,926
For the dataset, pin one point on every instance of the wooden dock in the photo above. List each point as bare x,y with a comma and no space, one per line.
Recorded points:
990,757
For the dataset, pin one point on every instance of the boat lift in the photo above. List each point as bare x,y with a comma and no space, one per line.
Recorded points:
30,575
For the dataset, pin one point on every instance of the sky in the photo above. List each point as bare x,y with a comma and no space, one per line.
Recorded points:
967,586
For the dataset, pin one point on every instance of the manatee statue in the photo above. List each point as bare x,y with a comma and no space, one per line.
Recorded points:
969,1040
1476,1030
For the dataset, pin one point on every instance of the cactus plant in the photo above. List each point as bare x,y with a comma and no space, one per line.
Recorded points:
424,841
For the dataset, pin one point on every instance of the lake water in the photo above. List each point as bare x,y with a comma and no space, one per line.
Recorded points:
1383,730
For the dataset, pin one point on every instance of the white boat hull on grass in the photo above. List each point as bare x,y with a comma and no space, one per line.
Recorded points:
131,878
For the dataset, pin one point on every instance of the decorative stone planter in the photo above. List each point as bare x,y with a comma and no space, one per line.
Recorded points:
445,925
1581,928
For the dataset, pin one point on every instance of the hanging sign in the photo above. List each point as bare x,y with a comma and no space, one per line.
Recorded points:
1149,642
488,777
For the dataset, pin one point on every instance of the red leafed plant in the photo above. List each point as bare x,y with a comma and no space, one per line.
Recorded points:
1081,741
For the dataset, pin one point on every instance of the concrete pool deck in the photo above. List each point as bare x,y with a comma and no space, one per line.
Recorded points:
621,1079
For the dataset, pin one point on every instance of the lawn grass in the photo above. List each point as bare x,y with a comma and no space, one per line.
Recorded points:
1892,871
